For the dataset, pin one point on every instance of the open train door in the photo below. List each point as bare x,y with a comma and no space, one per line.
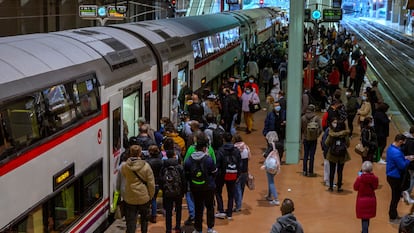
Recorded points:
115,141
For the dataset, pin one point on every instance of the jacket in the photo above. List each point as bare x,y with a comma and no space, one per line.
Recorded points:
286,220
366,202
396,162
275,122
244,161
174,162
223,152
209,165
136,192
365,110
381,124
352,106
179,140
191,149
306,119
330,141
246,98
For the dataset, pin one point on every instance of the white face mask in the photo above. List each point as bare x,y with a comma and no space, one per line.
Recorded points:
334,125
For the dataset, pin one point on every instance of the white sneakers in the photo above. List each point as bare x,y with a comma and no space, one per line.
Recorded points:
381,161
275,202
407,198
220,215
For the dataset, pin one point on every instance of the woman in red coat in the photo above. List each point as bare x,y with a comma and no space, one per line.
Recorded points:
366,202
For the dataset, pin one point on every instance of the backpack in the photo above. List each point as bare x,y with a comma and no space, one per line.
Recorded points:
198,174
218,134
230,173
407,224
172,183
338,148
287,228
312,130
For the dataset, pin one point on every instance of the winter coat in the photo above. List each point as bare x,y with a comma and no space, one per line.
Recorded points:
306,119
179,140
285,220
366,202
352,106
330,141
224,152
364,111
274,122
136,192
381,124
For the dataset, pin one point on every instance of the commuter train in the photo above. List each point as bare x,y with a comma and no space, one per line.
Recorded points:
67,99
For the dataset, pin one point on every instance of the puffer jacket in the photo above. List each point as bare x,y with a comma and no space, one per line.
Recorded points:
366,203
136,192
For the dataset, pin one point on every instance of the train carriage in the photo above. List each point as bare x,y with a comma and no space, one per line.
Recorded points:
64,99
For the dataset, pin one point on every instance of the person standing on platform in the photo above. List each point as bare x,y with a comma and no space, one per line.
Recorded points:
338,142
287,222
244,170
365,110
333,80
252,69
155,162
249,96
200,171
311,128
369,139
351,109
276,121
366,203
252,84
396,165
139,189
359,77
382,128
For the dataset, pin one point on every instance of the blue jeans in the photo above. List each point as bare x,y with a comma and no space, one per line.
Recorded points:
168,204
271,185
190,204
131,214
154,201
233,130
240,184
309,149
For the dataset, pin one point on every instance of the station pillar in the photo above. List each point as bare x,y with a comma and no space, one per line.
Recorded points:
294,82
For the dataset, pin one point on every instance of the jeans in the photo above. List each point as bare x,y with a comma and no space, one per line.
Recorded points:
190,204
365,225
395,185
332,167
154,201
218,194
131,214
271,185
232,127
201,199
240,184
309,148
168,204
231,187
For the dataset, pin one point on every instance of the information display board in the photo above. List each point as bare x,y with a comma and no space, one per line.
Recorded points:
88,11
332,15
116,13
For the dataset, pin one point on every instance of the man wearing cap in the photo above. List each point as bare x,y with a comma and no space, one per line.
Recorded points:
311,129
287,221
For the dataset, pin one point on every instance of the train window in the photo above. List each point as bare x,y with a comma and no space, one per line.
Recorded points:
65,206
38,115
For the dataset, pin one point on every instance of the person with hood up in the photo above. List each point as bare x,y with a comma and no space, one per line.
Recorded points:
139,189
287,221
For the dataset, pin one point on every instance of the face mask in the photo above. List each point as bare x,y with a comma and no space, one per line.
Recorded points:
237,81
334,125
251,81
347,93
371,124
363,97
248,92
162,125
277,108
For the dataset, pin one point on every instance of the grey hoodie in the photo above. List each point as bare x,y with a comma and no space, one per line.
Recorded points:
287,219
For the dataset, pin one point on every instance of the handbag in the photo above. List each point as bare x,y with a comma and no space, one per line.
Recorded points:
361,150
250,181
254,107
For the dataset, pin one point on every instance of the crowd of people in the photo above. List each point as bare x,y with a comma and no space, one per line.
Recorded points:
196,156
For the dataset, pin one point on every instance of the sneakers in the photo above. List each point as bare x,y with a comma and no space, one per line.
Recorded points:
395,220
407,198
275,202
211,231
381,161
236,210
220,215
268,198
229,218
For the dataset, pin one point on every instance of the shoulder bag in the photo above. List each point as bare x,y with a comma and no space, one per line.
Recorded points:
254,107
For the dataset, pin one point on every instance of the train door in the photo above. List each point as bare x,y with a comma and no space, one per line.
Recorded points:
115,140
132,109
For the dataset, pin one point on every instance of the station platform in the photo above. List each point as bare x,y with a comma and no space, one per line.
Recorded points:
318,210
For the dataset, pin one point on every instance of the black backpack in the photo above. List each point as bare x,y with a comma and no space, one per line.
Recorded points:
198,174
172,182
338,147
218,136
230,165
287,228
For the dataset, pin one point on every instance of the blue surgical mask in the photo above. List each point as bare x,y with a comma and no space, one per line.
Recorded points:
162,125
251,80
248,91
277,108
237,81
363,97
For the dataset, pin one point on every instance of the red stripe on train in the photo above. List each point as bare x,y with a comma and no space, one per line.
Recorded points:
34,153
87,218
